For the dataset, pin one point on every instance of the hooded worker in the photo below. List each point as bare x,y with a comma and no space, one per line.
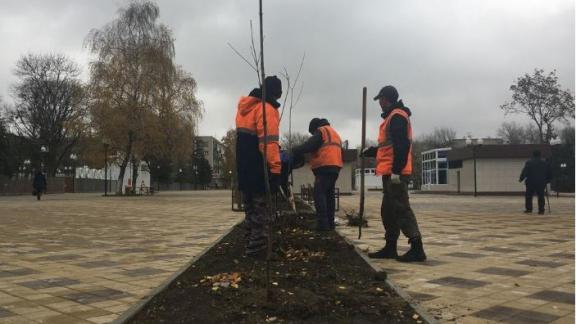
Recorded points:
326,161
394,164
250,143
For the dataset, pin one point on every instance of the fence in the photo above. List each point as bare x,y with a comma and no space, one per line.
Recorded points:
23,186
58,185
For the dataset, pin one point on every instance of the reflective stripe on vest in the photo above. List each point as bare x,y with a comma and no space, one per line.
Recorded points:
330,152
385,153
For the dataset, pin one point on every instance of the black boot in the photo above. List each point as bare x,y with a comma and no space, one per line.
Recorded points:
416,252
388,252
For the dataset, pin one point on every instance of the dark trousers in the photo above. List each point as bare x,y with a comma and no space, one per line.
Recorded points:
530,191
324,199
397,215
256,222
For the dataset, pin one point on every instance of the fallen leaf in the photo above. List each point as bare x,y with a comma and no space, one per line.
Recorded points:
416,316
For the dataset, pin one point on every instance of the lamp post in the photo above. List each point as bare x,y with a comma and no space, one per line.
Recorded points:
43,151
563,166
475,147
106,145
26,167
195,167
73,158
180,177
231,180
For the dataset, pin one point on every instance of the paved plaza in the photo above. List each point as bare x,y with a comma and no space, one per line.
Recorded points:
487,261
81,258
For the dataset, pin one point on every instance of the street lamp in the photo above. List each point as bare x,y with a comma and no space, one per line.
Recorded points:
180,176
475,147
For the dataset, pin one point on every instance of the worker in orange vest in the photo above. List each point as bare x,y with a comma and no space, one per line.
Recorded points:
250,143
326,161
394,164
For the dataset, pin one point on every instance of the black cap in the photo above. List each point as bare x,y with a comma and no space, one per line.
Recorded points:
273,86
315,123
388,92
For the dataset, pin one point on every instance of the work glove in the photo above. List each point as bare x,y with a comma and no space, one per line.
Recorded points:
275,182
369,151
395,178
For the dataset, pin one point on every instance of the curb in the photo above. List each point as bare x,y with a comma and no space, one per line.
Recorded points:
404,295
136,308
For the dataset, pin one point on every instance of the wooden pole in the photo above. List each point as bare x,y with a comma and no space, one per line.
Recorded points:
265,164
362,165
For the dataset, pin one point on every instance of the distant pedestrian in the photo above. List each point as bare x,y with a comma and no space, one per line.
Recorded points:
40,184
325,146
536,174
394,164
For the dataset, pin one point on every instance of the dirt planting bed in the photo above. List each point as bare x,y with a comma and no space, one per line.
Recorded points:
315,278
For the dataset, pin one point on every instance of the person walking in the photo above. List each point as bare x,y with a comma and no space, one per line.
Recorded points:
250,142
394,164
39,184
536,174
325,146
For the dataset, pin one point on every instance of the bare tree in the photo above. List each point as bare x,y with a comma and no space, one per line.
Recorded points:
49,106
512,133
296,139
440,137
540,97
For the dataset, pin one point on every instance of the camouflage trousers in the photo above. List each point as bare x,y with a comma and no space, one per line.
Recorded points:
256,222
397,215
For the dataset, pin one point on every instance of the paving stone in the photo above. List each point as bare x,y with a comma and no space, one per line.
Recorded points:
537,263
466,255
5,313
48,283
499,249
142,272
554,296
503,272
458,282
97,264
61,257
513,315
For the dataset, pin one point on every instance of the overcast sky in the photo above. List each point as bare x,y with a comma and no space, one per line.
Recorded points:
451,60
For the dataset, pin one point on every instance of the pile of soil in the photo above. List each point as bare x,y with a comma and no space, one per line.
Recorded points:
315,278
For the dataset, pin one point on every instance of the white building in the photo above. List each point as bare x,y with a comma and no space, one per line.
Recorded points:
484,169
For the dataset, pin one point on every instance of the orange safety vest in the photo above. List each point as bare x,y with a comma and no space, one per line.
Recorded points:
385,154
330,153
249,119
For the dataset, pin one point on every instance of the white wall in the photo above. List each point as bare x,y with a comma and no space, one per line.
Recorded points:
492,175
304,176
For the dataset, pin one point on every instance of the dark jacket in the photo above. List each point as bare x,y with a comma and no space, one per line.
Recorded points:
312,145
39,183
536,172
249,160
399,135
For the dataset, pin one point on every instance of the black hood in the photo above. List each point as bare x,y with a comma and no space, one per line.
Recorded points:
257,93
398,105
316,123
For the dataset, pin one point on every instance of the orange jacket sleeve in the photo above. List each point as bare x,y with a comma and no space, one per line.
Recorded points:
273,123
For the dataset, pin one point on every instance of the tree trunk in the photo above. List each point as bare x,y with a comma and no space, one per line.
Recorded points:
124,164
135,167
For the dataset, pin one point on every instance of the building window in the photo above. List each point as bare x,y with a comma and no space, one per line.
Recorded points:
435,167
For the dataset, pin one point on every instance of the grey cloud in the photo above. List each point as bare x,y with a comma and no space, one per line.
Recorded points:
451,60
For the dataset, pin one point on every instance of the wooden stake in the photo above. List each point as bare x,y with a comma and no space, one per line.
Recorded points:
362,166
